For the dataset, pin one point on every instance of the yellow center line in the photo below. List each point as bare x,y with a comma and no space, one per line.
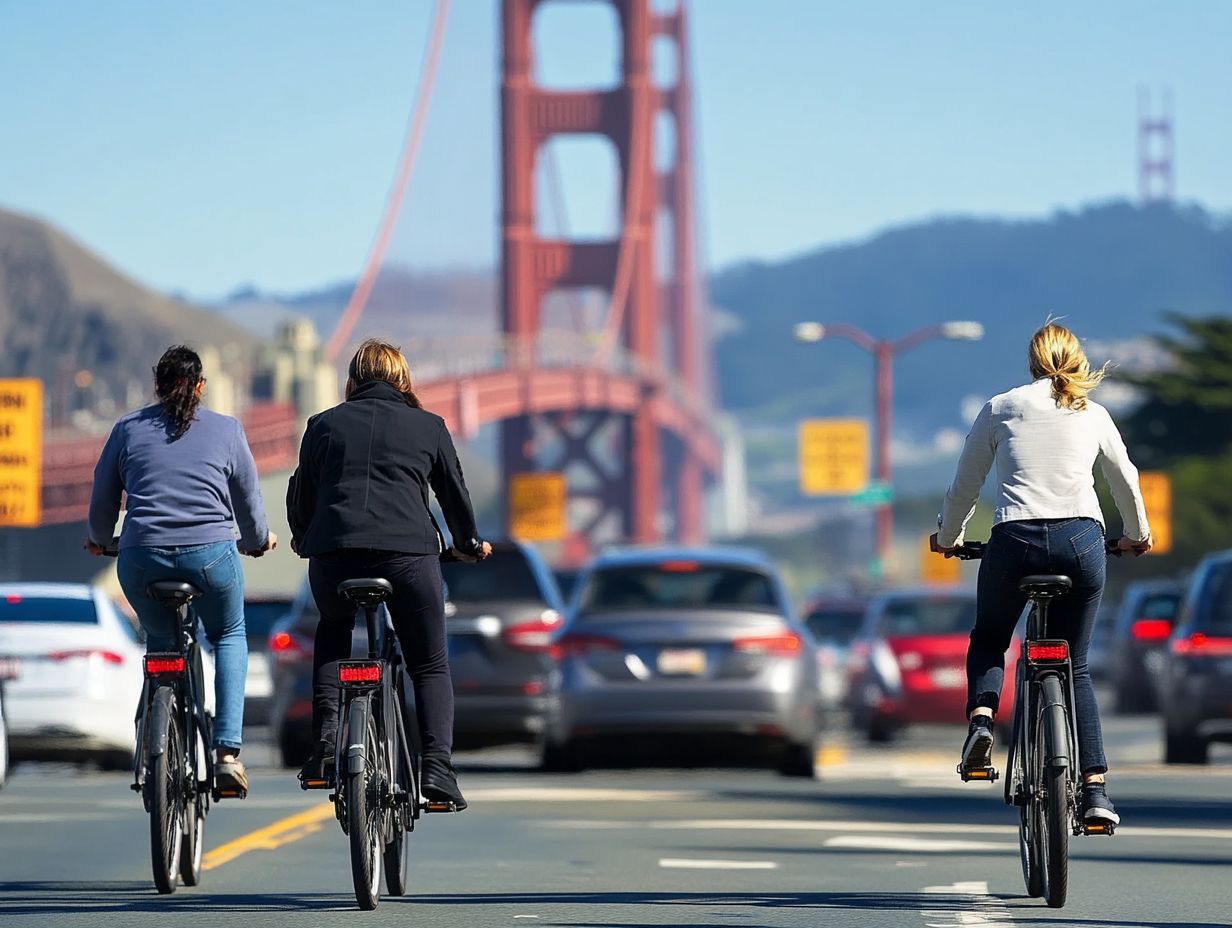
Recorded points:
292,828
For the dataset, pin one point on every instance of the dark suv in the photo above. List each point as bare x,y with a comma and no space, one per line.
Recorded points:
500,614
1196,692
1140,641
504,612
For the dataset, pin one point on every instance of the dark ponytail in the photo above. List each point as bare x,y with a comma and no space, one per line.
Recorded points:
176,376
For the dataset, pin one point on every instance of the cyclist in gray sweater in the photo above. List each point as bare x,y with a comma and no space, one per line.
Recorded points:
191,483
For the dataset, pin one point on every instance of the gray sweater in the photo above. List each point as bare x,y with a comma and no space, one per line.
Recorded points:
1045,457
192,491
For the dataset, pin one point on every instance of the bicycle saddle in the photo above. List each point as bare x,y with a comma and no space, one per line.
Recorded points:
172,592
366,591
1045,584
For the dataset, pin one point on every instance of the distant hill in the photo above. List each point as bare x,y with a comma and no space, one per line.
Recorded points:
63,309
1109,269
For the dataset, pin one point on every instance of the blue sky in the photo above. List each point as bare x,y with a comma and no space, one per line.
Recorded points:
202,146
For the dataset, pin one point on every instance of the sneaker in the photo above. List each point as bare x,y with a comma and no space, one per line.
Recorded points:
320,766
977,750
1097,808
440,782
229,774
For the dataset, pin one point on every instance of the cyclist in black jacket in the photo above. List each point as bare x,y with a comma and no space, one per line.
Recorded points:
358,507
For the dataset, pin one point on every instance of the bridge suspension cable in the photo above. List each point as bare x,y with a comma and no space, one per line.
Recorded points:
393,205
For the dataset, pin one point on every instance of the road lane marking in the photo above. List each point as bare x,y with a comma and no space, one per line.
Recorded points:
910,845
284,831
791,824
576,794
697,863
974,907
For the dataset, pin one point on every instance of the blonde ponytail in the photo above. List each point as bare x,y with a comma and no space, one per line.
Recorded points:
1056,353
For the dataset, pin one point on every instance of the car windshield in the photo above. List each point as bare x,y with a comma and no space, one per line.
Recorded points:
678,585
17,608
505,575
836,625
261,614
927,616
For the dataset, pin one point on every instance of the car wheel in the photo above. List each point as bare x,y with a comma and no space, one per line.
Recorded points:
880,730
116,761
293,751
1184,748
1131,700
797,760
560,758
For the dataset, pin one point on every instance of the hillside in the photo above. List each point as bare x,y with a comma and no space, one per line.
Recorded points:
63,309
1110,270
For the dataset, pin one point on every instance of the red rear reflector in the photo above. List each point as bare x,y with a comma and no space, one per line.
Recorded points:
680,567
159,664
783,645
1047,651
1151,629
359,673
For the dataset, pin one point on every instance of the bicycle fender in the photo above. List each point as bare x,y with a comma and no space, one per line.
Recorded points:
1056,722
357,722
161,708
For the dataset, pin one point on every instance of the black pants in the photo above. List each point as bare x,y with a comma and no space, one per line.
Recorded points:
418,612
1074,547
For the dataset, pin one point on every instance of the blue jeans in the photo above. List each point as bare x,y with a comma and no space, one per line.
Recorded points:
1074,547
215,570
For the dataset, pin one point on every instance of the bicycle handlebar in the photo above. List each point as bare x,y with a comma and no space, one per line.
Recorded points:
974,550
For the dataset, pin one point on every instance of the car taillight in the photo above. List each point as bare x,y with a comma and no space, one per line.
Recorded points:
287,648
577,644
1201,644
107,657
1151,629
354,672
535,636
788,644
161,665
1047,652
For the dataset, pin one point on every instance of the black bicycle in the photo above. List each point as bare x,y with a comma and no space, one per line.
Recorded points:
375,777
1044,777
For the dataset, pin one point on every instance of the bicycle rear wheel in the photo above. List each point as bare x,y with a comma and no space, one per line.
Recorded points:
397,835
165,781
365,818
1055,806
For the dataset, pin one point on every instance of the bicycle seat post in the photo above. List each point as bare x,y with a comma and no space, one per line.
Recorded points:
370,612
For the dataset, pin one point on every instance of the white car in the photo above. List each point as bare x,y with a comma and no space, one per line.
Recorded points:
77,674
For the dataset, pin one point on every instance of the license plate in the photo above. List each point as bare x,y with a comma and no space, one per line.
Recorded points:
10,668
683,662
949,678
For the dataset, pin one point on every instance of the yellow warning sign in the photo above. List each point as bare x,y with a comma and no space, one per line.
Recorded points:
833,456
937,569
1157,497
537,507
21,451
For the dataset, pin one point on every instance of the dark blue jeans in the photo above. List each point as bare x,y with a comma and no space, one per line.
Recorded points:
1074,547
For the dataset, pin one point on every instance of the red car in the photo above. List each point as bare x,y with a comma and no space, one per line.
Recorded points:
908,662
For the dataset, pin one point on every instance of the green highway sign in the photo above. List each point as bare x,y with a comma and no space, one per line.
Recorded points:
875,494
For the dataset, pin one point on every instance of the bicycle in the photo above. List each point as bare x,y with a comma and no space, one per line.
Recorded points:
375,783
1044,780
174,762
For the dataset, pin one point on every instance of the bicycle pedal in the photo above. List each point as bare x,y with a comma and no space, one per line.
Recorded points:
434,806
316,783
1093,828
978,774
220,794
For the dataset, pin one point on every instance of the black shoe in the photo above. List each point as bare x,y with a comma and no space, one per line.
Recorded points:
440,782
320,766
1097,808
977,750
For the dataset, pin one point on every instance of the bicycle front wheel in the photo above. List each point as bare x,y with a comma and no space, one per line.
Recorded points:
165,781
365,818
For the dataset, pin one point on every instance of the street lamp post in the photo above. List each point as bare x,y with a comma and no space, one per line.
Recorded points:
884,352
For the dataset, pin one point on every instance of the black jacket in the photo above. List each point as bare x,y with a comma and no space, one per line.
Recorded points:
365,467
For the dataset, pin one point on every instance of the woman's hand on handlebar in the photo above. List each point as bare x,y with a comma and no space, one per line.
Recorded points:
271,542
937,548
485,550
1127,545
94,548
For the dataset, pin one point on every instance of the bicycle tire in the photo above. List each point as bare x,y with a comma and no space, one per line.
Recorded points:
192,852
165,783
1054,810
363,797
398,837
1028,851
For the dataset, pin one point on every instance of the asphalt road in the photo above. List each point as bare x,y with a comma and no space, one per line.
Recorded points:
882,837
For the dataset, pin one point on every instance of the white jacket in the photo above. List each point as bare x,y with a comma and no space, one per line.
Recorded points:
1045,456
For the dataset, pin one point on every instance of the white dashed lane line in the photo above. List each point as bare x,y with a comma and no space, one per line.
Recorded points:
688,863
